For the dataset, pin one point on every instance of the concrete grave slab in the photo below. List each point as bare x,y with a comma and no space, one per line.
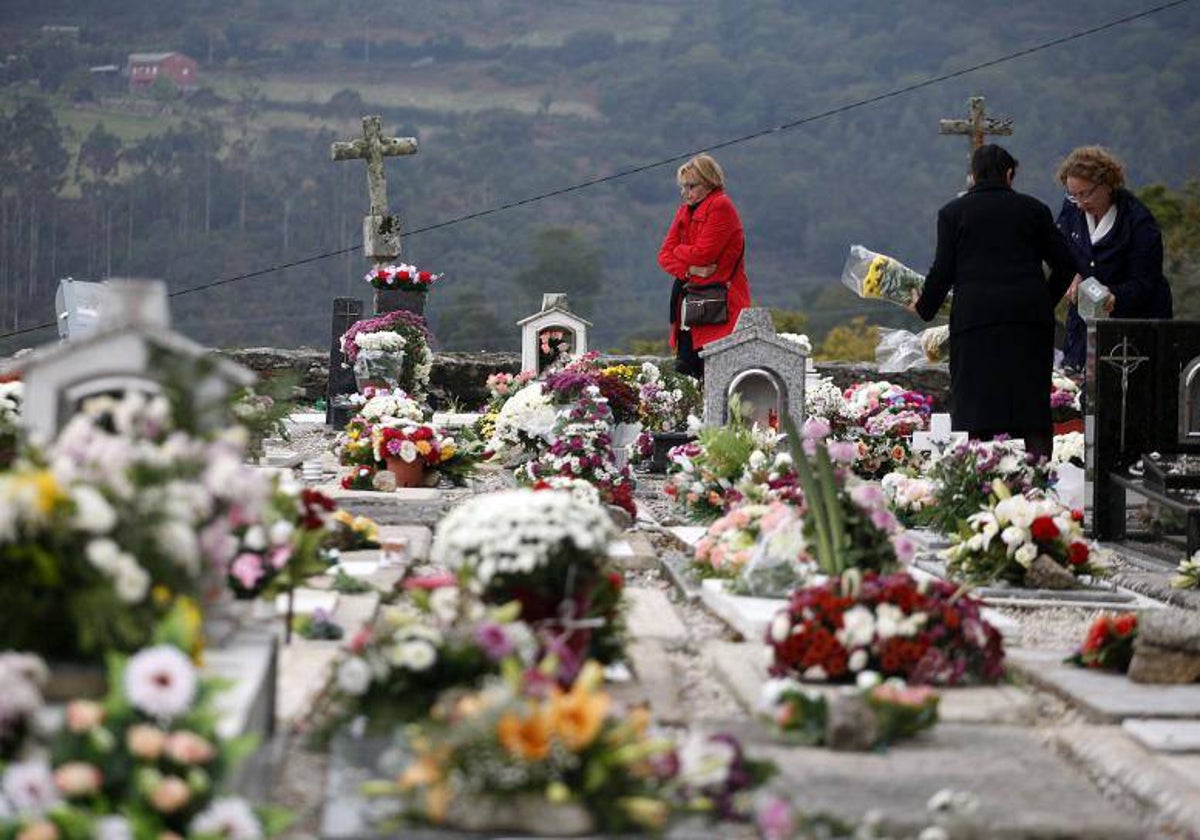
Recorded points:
1105,697
308,601
651,615
403,506
1167,784
1025,790
688,534
658,678
248,661
419,538
1172,736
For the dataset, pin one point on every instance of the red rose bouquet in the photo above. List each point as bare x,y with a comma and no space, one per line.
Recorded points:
927,633
1109,643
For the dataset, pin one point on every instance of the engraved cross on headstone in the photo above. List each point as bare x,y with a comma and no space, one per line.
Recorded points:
381,231
976,125
1126,358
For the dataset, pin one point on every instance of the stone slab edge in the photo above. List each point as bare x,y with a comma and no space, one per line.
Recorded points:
1112,758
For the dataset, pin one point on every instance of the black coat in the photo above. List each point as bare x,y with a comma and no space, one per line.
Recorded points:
991,246
1128,260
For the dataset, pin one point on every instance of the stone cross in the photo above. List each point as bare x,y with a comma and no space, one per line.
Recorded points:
381,231
939,438
976,125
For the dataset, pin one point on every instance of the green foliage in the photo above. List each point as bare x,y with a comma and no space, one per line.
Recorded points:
789,321
854,341
1178,215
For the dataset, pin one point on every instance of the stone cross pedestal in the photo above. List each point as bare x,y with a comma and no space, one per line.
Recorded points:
381,231
975,126
939,438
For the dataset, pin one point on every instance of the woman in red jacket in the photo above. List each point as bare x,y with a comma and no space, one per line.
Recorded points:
704,244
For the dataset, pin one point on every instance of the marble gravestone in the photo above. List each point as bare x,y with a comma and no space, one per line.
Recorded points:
1142,421
766,372
551,333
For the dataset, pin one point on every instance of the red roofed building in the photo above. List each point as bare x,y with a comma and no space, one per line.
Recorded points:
145,68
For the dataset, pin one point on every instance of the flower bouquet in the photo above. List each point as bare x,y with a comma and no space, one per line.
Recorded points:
123,514
1021,540
389,334
23,676
729,542
1109,643
872,275
908,497
362,477
147,762
282,548
500,386
1069,448
525,757
524,424
11,398
401,276
547,550
896,711
928,633
1187,575
1064,398
347,532
581,447
437,637
410,450
966,476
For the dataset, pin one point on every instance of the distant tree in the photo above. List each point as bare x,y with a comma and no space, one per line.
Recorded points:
345,103
163,89
564,261
854,341
789,321
99,154
1178,215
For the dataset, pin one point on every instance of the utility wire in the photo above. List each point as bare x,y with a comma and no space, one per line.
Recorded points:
724,144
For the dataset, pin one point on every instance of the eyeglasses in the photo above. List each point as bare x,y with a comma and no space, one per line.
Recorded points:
1084,195
688,185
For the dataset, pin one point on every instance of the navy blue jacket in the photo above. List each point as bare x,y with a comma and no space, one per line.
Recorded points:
1128,260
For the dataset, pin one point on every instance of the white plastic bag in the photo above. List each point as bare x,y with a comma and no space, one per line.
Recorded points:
872,275
900,350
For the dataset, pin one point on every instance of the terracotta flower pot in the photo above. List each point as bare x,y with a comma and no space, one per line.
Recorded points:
408,473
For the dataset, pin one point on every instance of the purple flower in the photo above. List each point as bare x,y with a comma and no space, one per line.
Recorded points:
493,640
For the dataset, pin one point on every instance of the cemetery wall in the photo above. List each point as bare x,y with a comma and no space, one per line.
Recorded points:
458,378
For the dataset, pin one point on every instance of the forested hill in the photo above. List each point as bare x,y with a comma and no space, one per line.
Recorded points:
511,99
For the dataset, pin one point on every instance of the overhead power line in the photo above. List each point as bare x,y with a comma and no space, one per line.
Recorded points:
682,156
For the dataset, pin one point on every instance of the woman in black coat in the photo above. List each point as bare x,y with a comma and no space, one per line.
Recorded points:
991,244
1113,238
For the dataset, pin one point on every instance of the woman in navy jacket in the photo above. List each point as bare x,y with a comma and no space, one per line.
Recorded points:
991,244
1113,238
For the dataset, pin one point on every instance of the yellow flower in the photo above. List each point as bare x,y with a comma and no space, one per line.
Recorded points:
437,802
344,517
448,451
423,447
527,738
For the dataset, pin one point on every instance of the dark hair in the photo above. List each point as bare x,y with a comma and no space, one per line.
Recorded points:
991,163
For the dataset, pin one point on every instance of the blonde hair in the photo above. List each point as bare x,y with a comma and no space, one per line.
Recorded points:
1094,164
705,168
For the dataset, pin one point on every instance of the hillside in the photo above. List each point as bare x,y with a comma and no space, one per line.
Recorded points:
511,99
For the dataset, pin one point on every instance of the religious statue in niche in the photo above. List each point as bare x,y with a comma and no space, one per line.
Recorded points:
554,344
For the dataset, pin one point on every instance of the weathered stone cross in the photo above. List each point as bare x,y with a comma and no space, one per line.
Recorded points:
976,125
381,231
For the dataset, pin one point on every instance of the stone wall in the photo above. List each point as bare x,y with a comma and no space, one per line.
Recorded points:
457,380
